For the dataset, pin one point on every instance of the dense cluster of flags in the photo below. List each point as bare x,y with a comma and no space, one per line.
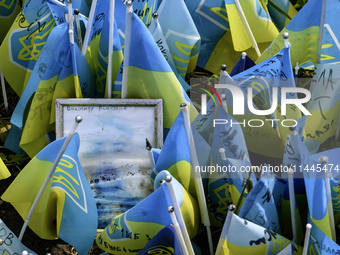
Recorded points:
271,187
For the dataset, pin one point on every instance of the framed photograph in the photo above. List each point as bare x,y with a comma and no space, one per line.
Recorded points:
112,150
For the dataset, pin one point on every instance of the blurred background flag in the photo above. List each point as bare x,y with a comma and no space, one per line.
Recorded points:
67,208
281,19
8,12
4,173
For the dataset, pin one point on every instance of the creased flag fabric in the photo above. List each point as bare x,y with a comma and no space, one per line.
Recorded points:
23,43
180,34
97,50
150,76
67,76
245,237
175,156
11,244
67,208
241,65
303,32
4,173
8,12
316,191
18,117
259,205
324,103
158,36
258,19
275,72
164,242
131,231
319,243
280,20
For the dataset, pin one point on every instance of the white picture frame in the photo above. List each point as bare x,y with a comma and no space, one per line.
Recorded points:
112,149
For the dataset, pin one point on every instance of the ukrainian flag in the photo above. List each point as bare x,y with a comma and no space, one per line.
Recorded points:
131,231
303,32
150,76
23,43
8,12
324,103
240,236
67,208
175,157
259,22
97,50
165,242
279,19
180,34
259,205
60,80
4,173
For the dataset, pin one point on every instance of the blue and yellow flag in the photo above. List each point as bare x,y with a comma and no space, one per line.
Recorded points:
66,75
23,43
4,173
279,19
150,76
240,236
319,243
180,34
303,32
258,18
175,156
67,208
285,213
324,103
165,242
259,205
241,65
8,12
98,47
131,231
11,244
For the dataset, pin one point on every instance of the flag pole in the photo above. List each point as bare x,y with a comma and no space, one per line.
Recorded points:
225,229
247,27
322,24
110,50
148,147
128,21
292,204
183,229
78,119
198,179
324,161
89,26
177,231
70,20
286,37
4,94
306,241
244,55
80,42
